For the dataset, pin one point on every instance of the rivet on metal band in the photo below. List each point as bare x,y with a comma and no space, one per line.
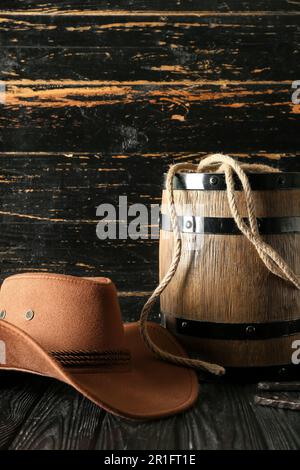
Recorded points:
227,225
232,331
217,182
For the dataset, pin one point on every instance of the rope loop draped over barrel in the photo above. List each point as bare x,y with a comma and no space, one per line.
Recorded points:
270,257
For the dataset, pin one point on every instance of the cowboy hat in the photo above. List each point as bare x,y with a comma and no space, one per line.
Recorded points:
70,328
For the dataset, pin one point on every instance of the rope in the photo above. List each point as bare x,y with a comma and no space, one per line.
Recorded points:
272,260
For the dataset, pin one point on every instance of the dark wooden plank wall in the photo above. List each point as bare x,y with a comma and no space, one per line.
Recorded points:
101,96
157,6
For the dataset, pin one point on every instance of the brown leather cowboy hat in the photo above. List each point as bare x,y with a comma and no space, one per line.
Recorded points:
70,328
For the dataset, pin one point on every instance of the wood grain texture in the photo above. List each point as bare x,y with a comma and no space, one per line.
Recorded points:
62,419
221,278
149,48
278,203
241,290
80,6
240,353
18,397
251,293
129,118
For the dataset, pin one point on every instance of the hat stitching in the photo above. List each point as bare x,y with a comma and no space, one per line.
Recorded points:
92,358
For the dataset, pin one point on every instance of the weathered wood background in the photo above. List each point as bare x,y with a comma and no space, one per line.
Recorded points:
100,97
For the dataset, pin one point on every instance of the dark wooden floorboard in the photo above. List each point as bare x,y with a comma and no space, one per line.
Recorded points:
18,397
40,413
62,419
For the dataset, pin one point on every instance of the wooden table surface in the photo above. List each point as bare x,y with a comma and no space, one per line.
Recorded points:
97,98
41,413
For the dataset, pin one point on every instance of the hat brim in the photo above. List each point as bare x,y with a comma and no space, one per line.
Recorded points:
150,389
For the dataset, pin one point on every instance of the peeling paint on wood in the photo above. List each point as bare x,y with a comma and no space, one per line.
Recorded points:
77,6
157,13
208,48
232,117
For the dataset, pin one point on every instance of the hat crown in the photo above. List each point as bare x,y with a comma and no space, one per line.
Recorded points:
64,313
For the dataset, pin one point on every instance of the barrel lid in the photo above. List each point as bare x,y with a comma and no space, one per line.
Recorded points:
216,181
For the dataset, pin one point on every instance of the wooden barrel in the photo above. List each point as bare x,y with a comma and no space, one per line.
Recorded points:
223,303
